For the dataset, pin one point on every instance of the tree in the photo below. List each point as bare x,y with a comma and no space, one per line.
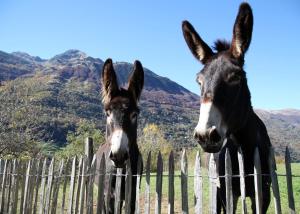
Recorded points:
153,140
75,140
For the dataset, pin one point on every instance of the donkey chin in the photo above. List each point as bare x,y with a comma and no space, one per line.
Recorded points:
211,147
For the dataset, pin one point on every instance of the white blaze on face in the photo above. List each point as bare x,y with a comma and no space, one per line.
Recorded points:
210,117
119,142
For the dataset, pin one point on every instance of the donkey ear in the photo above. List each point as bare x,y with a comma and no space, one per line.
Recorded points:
198,47
136,80
242,31
109,81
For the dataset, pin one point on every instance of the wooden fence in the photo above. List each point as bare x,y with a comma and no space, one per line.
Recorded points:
50,186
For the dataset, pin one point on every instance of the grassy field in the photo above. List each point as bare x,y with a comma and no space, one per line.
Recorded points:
282,186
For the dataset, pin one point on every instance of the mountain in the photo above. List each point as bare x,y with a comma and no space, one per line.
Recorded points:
284,129
47,98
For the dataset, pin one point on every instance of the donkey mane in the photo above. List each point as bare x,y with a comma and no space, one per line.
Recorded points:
221,45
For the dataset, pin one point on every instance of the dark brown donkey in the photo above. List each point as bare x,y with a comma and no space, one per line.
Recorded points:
121,108
227,119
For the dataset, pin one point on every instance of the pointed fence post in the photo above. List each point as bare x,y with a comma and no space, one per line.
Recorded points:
89,151
9,187
228,183
43,183
83,186
72,186
22,182
257,181
289,181
118,190
213,180
128,187
56,187
27,187
147,188
184,183
198,185
37,184
101,179
79,177
138,184
242,180
90,185
171,184
64,187
4,177
159,177
15,189
49,186
109,192
33,185
275,186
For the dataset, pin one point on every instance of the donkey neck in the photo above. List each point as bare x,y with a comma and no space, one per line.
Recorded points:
253,133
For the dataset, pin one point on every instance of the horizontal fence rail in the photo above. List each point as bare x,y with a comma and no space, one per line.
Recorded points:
69,186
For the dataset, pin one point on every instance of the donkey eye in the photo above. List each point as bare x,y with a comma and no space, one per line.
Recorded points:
133,117
107,113
233,79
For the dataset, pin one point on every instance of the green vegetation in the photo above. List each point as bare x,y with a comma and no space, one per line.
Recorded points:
75,145
177,186
152,140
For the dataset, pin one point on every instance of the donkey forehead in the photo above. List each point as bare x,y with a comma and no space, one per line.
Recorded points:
121,103
218,68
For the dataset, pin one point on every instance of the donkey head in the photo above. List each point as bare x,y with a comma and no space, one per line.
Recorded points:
225,97
121,108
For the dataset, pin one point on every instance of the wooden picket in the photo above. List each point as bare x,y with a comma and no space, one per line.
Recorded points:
171,184
198,185
289,181
184,184
242,181
48,186
275,186
27,187
257,181
138,184
14,201
78,183
90,185
83,185
159,177
147,188
72,185
63,200
56,187
213,181
228,183
101,178
128,187
37,185
118,190
43,182
3,187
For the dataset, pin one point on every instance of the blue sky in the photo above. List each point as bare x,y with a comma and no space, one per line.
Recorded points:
151,32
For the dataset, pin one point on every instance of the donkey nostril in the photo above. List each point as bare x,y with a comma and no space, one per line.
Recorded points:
126,156
112,156
214,135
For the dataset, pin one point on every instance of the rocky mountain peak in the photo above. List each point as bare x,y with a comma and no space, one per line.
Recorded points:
69,56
